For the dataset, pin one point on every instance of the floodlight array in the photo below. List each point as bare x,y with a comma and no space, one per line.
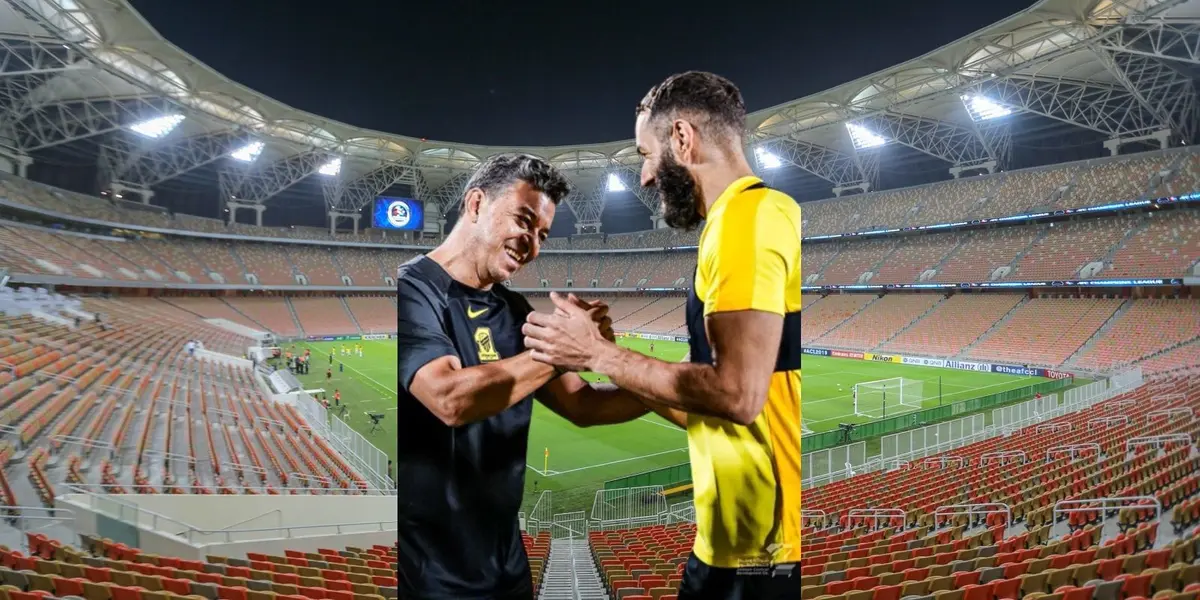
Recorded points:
247,153
157,127
982,108
331,168
864,138
766,159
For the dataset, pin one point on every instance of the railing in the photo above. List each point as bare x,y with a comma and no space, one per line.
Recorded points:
1091,505
1158,441
128,512
627,508
1003,457
874,516
1074,451
1054,428
542,514
40,519
1170,414
941,462
681,512
891,425
367,459
1115,420
972,510
256,489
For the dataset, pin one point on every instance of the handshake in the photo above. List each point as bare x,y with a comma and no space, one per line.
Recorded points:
573,336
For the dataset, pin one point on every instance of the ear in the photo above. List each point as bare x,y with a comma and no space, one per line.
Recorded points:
684,141
473,204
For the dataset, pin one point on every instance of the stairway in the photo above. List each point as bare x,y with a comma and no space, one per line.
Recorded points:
248,317
648,305
993,329
241,264
350,314
846,320
295,266
910,325
341,270
1037,240
295,317
1106,260
1100,333
571,573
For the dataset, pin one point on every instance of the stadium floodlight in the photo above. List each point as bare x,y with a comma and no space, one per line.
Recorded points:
766,159
247,153
864,138
878,399
615,184
982,108
331,168
157,127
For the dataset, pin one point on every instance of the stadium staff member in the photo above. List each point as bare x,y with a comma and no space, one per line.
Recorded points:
466,387
741,390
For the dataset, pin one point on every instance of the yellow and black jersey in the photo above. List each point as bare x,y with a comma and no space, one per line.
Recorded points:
747,478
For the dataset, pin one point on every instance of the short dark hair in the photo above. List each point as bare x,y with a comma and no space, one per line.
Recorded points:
706,95
500,171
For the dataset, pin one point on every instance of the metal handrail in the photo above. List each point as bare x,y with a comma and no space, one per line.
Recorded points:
1003,456
983,508
1072,449
1157,441
1088,505
875,515
191,532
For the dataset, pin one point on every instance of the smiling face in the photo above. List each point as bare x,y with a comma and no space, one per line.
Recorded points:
677,187
509,229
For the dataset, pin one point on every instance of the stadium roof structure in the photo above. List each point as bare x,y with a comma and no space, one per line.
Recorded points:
79,69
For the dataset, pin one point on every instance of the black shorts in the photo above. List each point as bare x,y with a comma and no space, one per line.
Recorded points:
702,582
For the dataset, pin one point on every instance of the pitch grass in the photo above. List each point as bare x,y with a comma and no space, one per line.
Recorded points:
580,460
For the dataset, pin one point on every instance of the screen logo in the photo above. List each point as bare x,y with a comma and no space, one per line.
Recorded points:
399,214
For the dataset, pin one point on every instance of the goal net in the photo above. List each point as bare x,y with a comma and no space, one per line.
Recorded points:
885,397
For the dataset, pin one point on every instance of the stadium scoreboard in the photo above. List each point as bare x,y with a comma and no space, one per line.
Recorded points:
401,214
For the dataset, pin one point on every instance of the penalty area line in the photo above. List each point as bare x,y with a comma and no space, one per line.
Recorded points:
553,473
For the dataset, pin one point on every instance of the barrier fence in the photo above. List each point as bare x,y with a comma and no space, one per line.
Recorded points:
828,457
931,439
626,508
370,461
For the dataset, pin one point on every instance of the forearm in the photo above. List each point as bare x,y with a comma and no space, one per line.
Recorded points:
688,387
475,393
606,404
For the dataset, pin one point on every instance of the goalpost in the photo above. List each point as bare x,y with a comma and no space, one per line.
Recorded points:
884,397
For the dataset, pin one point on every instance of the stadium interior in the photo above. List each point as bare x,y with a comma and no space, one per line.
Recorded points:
150,453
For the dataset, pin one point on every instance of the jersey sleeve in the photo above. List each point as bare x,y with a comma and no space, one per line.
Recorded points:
748,265
421,338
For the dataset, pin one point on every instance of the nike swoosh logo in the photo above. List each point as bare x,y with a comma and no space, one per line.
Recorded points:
475,313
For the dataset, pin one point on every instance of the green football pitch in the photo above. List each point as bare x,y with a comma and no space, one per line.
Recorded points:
580,460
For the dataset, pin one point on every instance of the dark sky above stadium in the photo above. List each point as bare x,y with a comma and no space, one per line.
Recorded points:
545,73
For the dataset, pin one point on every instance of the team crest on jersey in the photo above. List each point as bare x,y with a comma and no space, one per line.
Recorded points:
486,345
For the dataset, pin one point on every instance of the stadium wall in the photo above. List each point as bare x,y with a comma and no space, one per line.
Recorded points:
236,524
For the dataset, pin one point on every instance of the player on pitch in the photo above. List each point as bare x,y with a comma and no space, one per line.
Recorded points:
741,390
466,388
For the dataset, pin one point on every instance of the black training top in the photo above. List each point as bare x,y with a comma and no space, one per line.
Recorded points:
459,488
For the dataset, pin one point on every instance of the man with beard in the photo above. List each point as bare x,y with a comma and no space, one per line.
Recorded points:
466,387
741,390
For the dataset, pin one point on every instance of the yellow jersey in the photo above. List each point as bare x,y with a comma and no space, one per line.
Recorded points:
747,478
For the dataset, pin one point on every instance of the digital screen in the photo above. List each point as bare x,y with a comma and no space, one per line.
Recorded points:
404,214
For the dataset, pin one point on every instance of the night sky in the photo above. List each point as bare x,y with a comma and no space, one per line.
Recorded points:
541,73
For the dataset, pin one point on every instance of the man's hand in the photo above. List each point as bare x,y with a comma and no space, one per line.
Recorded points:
597,308
570,338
